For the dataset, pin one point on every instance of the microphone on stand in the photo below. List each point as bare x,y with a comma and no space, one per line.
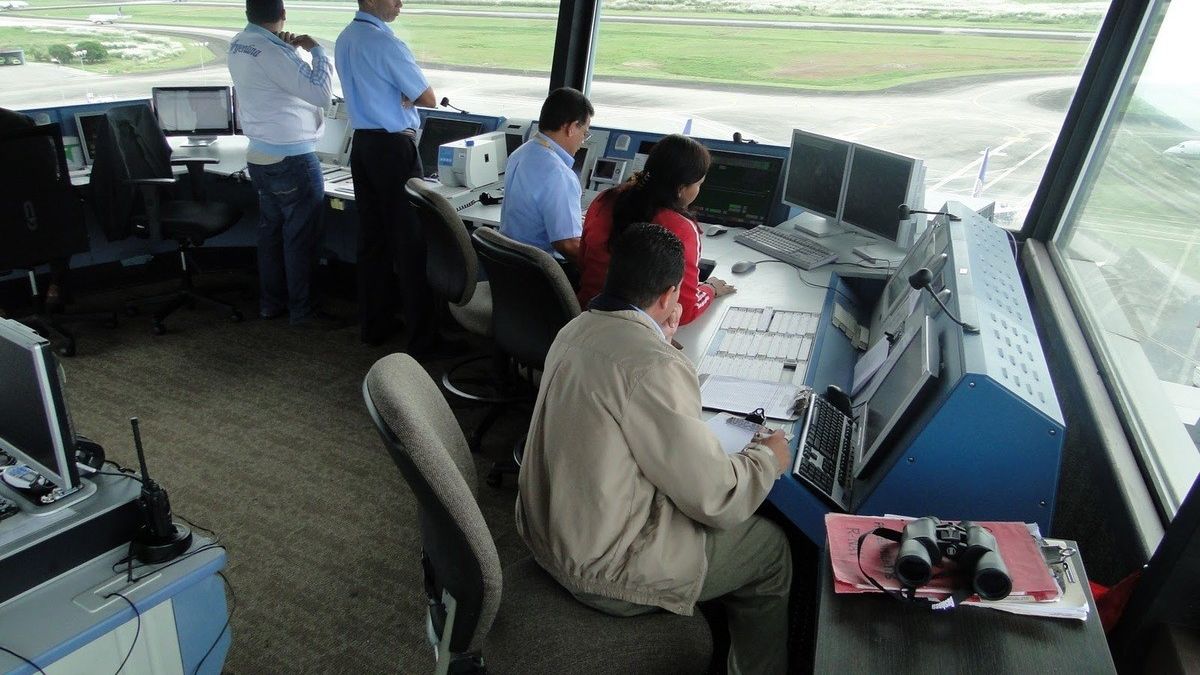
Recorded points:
921,280
906,213
446,104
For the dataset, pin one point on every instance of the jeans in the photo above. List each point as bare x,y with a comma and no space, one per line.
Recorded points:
291,193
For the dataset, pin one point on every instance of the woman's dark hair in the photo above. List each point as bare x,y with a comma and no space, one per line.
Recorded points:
674,162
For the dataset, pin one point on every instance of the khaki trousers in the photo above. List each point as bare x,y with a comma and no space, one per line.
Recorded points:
750,574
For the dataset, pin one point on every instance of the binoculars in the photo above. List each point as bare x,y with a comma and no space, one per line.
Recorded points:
926,541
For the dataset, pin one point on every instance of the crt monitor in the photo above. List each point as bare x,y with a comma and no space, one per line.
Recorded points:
89,125
879,182
740,189
899,386
34,427
439,130
193,111
816,174
334,142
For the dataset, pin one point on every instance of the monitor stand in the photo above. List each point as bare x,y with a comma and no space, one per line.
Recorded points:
876,252
199,141
814,225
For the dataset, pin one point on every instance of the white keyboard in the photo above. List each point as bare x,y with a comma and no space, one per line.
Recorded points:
761,343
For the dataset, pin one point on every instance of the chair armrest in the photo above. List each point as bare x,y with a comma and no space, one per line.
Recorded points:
197,160
150,188
150,181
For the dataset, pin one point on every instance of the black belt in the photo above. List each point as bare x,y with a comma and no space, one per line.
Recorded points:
411,133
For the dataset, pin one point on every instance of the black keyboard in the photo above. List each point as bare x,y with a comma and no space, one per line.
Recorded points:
825,459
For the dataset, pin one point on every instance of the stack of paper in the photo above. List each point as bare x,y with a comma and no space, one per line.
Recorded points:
735,395
1035,591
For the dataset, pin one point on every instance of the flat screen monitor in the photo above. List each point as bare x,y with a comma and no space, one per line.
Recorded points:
924,253
335,139
740,189
34,427
891,404
89,125
193,111
512,142
439,130
580,160
879,182
816,173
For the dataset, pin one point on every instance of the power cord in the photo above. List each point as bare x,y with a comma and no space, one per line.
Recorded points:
232,609
36,667
136,633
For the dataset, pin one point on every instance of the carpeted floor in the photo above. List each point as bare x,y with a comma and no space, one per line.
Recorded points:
258,431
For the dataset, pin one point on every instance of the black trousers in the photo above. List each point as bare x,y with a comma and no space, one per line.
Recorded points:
391,246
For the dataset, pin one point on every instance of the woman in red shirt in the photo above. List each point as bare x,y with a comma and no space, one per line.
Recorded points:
659,194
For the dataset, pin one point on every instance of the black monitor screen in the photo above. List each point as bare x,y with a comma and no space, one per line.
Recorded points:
512,142
440,130
901,385
815,173
89,128
645,146
878,185
580,160
739,190
34,427
193,110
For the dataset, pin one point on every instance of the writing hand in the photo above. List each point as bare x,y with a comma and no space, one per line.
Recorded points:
778,444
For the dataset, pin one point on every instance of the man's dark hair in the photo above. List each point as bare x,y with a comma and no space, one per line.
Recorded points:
647,260
264,11
562,107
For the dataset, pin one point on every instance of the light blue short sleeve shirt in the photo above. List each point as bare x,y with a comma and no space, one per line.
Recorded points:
376,69
541,195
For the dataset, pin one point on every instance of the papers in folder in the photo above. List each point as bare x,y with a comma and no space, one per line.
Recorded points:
735,395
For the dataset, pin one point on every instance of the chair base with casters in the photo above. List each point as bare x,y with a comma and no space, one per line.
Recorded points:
184,296
49,324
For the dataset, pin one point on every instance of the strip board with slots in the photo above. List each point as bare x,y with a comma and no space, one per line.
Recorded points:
761,343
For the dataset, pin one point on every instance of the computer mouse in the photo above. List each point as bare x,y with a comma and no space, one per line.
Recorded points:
714,230
744,266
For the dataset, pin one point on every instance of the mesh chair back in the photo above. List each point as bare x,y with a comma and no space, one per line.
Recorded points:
130,144
450,263
531,296
41,217
424,440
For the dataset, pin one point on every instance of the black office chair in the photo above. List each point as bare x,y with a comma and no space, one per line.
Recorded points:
452,269
130,177
41,220
532,300
534,626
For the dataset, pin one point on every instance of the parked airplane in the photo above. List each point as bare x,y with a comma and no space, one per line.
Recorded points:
108,18
13,4
1187,151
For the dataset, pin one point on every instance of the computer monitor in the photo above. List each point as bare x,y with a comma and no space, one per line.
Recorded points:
438,130
740,189
333,146
89,125
512,141
927,252
899,387
816,174
878,183
580,160
34,427
193,111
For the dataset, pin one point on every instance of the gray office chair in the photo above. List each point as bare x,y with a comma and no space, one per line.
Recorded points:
534,626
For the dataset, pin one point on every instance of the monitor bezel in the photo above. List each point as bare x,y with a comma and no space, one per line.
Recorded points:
835,217
79,117
931,364
914,196
66,474
899,278
773,198
228,130
432,170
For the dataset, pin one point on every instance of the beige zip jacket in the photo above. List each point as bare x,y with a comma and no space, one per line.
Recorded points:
621,478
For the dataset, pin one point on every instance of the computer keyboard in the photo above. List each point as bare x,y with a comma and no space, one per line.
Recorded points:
787,245
761,343
825,459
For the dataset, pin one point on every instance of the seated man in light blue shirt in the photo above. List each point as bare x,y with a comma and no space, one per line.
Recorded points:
541,190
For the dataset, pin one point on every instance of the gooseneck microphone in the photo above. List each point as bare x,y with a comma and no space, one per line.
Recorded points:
921,280
158,539
446,104
906,213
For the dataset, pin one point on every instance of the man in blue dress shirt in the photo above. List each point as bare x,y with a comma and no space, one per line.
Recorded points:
541,190
382,85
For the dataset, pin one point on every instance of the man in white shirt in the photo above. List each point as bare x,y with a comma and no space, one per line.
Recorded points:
281,101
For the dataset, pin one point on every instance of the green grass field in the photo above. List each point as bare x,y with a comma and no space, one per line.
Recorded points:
776,57
29,40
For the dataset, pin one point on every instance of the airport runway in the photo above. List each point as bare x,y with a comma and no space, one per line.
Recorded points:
949,124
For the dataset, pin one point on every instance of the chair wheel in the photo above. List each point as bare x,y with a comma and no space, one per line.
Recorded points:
235,316
159,328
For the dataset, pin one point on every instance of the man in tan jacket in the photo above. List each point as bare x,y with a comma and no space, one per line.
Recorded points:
626,497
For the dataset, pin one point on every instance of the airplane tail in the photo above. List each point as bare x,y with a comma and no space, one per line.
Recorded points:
687,127
982,177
